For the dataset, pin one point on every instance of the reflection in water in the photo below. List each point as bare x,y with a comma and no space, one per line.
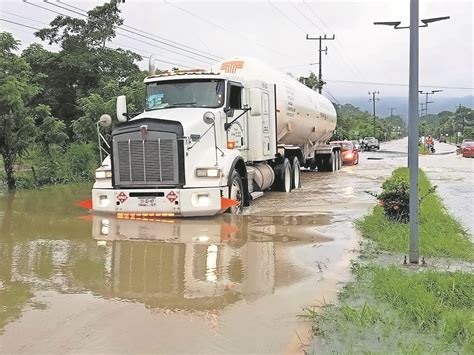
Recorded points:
182,264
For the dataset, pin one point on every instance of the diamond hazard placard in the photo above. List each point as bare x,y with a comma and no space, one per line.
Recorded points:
122,197
171,196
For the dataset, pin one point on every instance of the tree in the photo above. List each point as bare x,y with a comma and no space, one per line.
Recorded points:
311,81
464,117
84,62
17,127
50,130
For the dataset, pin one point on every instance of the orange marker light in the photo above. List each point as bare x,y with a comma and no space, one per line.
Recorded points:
230,145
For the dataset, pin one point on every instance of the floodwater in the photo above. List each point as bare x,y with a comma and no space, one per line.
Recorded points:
73,282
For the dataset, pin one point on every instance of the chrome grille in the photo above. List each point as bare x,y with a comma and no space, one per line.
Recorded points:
153,161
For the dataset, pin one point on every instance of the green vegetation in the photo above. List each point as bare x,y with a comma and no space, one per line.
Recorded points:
352,123
440,234
449,123
397,309
50,101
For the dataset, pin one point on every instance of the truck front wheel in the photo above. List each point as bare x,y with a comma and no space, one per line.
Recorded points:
236,193
283,177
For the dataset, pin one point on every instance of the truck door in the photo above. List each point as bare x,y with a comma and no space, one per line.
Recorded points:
238,131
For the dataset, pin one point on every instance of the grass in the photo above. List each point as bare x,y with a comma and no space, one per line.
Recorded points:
422,149
439,233
397,309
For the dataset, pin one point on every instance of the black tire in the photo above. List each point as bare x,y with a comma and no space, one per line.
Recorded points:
236,192
295,174
283,177
332,164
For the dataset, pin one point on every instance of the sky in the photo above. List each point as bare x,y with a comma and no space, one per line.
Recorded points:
362,58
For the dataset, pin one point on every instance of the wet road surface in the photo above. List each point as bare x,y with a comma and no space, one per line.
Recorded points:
70,282
451,173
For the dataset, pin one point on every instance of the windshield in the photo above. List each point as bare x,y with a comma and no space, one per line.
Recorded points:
185,93
346,146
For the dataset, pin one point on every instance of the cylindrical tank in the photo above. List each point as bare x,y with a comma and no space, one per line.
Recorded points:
302,114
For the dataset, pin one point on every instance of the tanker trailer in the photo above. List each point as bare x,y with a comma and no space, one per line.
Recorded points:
212,141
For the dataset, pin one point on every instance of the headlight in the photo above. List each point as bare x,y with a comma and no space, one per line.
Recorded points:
103,174
208,172
349,156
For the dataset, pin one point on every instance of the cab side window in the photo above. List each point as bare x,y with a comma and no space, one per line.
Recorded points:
235,97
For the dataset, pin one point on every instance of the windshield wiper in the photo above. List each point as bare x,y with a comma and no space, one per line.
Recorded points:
177,104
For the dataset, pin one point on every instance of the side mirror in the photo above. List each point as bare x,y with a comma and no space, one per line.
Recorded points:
255,98
122,108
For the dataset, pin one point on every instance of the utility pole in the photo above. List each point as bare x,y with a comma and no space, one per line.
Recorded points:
325,50
373,99
391,111
422,108
426,99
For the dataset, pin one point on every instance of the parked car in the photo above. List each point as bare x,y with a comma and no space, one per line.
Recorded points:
466,148
369,143
442,139
350,155
356,144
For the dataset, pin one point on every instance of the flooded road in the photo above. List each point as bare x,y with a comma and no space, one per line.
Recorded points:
72,282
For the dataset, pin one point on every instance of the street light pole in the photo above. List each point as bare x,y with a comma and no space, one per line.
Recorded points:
426,99
414,256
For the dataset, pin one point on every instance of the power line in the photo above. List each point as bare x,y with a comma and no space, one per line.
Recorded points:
316,15
84,12
24,18
287,17
144,56
19,24
398,84
206,20
121,29
338,42
306,17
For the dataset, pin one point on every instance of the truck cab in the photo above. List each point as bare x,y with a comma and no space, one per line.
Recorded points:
181,155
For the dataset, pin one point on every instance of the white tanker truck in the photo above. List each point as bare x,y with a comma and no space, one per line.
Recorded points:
210,142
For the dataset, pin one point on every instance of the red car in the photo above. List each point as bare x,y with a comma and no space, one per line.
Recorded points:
467,149
350,154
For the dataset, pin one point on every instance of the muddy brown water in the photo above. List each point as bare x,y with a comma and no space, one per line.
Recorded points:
73,282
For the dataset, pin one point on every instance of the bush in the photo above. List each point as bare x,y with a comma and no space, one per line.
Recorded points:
395,199
75,163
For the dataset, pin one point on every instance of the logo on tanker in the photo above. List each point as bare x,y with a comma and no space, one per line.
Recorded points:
231,67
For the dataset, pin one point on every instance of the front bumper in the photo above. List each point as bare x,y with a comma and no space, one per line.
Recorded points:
346,160
159,202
